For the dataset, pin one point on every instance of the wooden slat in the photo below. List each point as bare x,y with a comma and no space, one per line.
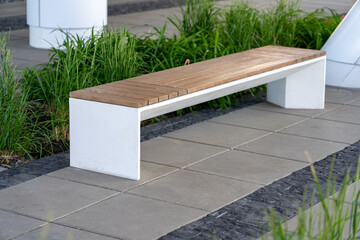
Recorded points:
228,76
160,86
91,95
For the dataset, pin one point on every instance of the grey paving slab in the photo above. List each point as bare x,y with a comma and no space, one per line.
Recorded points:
153,17
326,130
57,232
340,95
132,217
300,112
198,190
49,198
293,147
12,225
22,50
355,103
16,34
175,152
12,9
250,167
217,134
146,30
22,64
19,34
347,114
2,169
149,171
253,118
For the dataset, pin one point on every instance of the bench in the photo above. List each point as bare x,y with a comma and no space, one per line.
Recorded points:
105,120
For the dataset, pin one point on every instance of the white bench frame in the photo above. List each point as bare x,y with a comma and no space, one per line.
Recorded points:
105,137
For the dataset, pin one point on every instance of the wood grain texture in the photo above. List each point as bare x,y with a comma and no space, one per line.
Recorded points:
159,86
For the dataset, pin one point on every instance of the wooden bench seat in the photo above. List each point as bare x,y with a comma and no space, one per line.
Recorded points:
105,120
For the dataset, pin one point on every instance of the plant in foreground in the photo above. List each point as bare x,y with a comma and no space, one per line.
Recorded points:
334,219
20,132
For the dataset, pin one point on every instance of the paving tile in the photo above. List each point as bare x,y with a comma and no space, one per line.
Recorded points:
355,103
217,134
171,151
253,118
348,114
2,169
132,217
300,112
198,190
22,64
293,147
49,198
340,95
248,167
57,232
22,50
12,9
12,225
326,130
20,34
149,171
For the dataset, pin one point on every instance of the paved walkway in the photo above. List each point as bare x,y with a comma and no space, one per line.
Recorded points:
227,158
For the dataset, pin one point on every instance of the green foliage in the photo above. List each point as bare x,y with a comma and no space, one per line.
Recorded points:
241,27
333,220
20,133
315,28
198,16
79,64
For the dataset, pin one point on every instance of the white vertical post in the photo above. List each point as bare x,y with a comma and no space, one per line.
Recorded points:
46,17
304,89
105,138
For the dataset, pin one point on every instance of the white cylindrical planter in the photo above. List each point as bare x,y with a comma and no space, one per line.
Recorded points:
343,52
46,17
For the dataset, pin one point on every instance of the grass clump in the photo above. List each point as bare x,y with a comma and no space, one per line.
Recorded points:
334,219
20,132
80,63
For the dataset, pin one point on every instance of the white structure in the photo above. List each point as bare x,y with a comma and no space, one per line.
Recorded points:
46,17
343,52
105,137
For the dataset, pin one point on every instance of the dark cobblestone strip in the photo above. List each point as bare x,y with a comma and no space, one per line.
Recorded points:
12,23
245,219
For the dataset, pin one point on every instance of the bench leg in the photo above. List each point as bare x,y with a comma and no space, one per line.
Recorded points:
304,89
105,138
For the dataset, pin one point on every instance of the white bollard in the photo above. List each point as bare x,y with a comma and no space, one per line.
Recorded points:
343,52
78,17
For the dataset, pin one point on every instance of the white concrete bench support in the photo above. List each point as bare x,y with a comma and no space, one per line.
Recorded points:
303,89
106,138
